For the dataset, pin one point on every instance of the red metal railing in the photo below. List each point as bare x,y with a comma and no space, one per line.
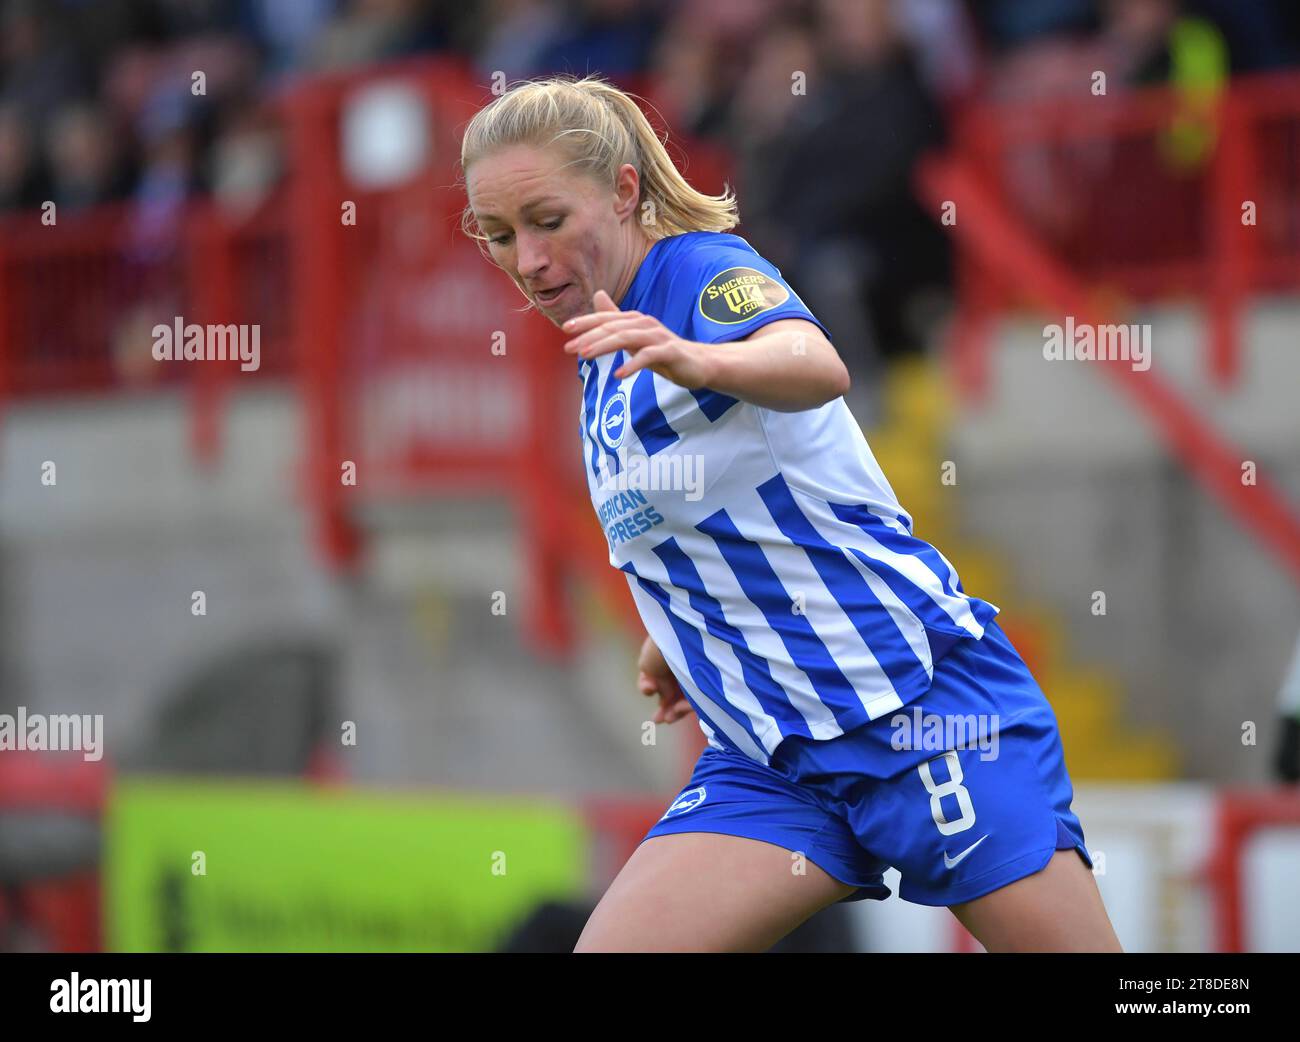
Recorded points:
1098,184
65,906
1027,252
1242,814
334,303
78,299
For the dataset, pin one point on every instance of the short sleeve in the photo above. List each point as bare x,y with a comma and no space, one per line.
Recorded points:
734,291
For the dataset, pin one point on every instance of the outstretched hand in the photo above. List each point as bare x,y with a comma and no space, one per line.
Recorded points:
649,342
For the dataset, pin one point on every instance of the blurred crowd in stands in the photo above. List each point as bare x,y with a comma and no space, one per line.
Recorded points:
96,102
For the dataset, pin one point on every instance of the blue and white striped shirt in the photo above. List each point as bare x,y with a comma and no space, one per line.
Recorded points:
767,554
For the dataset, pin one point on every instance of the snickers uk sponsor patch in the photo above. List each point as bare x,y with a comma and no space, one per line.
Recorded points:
738,294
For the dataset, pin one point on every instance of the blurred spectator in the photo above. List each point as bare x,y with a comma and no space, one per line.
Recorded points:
1258,36
169,172
246,157
374,30
42,72
686,82
85,167
612,37
284,32
1141,42
20,180
703,52
1009,24
766,115
514,36
942,36
827,177
1136,39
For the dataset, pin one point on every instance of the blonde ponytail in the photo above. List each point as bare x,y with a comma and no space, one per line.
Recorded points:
599,128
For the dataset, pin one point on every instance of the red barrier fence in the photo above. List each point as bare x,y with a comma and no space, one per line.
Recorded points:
1016,248
413,356
1140,196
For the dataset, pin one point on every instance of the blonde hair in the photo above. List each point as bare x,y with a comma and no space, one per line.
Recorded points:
599,128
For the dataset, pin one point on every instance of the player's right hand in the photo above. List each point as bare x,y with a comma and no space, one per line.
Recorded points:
655,678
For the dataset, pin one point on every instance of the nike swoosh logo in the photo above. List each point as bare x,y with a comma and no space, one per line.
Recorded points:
952,862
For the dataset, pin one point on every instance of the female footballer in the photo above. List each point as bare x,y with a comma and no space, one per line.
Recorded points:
786,600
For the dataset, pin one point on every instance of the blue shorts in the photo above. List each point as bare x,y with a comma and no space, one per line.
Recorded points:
963,790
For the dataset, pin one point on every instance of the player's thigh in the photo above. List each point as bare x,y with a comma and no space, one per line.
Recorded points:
1056,910
707,892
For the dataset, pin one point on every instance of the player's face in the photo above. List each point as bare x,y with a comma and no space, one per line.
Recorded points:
556,231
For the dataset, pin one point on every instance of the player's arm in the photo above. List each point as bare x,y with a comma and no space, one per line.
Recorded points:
786,365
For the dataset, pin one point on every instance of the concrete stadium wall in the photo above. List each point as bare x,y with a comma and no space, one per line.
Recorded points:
97,572
1070,483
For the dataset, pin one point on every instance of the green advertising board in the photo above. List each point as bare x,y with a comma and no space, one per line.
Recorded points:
228,866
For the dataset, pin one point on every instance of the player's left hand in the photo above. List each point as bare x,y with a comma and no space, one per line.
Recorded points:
649,342
654,677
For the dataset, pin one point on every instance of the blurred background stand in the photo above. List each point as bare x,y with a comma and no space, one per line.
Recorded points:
269,707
